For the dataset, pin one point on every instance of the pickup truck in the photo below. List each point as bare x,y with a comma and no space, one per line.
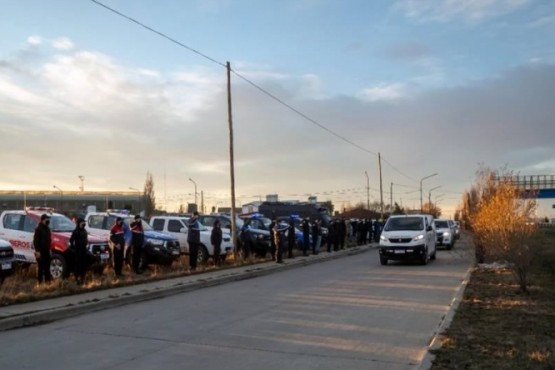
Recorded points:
159,249
18,227
177,226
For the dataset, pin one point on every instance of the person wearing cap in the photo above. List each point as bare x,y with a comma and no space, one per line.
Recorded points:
117,238
42,240
193,239
137,241
78,243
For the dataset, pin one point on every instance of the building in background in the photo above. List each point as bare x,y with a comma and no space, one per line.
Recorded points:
72,203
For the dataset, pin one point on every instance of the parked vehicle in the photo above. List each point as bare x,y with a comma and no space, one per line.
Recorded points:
445,233
298,225
159,248
18,227
408,237
177,227
6,260
259,227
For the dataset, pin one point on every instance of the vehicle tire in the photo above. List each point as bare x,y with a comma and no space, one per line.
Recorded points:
383,261
424,259
202,254
58,267
449,246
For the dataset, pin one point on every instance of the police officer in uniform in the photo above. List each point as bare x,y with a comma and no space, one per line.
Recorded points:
117,238
137,242
193,239
41,241
291,239
78,244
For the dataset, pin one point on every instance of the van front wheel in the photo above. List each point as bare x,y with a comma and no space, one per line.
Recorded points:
424,258
383,261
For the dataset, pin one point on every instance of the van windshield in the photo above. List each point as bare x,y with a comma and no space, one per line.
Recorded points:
404,223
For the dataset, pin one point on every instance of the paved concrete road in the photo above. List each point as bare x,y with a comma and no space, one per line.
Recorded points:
349,313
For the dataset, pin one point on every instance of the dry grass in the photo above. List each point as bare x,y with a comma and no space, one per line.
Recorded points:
498,327
22,286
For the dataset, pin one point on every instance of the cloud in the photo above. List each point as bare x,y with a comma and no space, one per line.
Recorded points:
84,113
62,43
448,10
383,92
34,40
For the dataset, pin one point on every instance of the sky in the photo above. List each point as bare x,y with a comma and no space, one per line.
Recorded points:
434,86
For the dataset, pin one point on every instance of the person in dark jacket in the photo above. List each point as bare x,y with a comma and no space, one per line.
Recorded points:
137,243
331,235
342,233
193,239
216,240
117,238
42,239
272,239
278,236
78,243
306,236
291,239
246,240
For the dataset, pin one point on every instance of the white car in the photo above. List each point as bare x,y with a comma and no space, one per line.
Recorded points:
408,237
445,233
177,226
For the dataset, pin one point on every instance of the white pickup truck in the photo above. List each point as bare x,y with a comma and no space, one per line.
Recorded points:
177,226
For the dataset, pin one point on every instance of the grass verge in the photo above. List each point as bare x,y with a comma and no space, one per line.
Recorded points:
497,327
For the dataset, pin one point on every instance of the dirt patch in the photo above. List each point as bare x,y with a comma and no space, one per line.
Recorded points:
498,327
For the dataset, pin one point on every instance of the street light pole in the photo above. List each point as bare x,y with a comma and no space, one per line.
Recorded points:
422,179
82,187
430,195
367,190
61,197
196,203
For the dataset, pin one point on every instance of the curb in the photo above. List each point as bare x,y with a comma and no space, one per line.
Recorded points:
50,315
435,343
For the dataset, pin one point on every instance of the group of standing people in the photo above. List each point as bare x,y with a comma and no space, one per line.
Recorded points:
117,238
365,230
42,240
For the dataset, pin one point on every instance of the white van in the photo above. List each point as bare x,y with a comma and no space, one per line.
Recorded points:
408,237
177,227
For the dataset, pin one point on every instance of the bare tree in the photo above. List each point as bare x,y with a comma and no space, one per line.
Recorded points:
501,222
149,197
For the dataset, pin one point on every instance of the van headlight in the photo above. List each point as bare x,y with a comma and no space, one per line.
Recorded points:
446,234
383,238
418,237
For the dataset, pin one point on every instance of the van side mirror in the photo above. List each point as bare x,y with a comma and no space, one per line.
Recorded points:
429,228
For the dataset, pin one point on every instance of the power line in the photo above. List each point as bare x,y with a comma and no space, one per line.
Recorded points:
267,93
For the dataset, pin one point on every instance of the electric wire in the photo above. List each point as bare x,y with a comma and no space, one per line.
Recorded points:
267,93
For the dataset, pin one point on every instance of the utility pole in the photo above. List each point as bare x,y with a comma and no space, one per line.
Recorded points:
231,163
422,179
381,184
82,187
367,190
391,198
202,201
